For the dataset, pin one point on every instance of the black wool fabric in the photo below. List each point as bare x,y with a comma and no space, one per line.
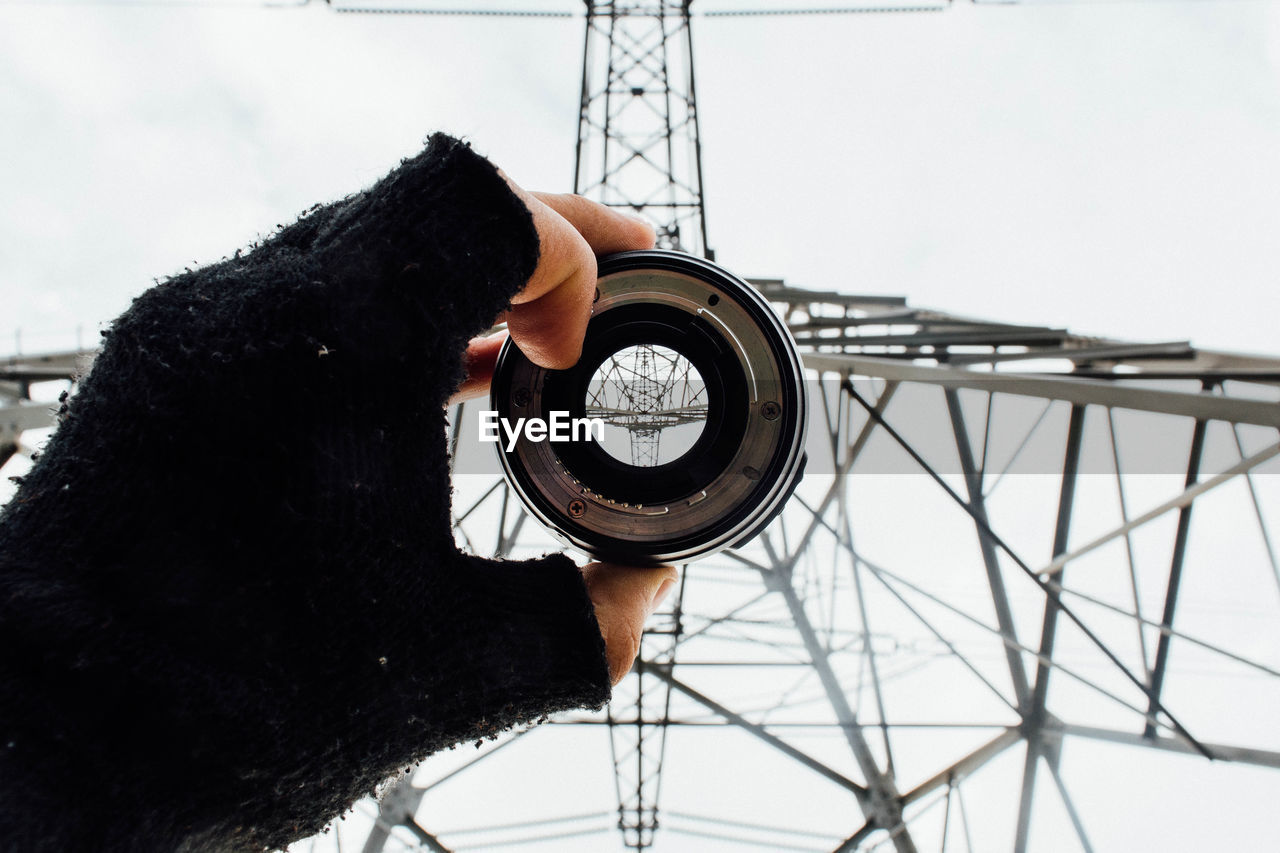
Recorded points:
230,601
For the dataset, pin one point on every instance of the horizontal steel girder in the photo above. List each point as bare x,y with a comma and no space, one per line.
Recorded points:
1198,405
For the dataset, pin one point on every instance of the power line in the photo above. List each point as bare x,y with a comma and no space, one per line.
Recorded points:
548,13
562,14
175,4
471,13
847,10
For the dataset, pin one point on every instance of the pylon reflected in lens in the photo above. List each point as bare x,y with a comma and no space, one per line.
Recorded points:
653,403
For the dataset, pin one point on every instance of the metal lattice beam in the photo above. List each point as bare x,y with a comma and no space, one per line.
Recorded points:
638,142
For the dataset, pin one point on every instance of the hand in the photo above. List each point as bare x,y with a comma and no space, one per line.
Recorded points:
624,597
548,318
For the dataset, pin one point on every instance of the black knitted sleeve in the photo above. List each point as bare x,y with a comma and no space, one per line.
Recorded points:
230,602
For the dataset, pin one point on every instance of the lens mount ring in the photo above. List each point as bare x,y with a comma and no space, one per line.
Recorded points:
694,319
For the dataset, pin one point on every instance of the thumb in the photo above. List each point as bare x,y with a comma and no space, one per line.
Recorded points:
624,596
667,577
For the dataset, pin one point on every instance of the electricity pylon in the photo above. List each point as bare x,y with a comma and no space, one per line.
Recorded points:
646,390
1003,429
638,147
638,143
1017,548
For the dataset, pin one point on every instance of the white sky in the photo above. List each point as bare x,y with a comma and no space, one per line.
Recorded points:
1113,168
1110,167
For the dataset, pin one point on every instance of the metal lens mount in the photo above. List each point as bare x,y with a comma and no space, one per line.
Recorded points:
699,388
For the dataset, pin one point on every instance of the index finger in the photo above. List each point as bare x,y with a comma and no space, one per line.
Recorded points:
606,229
549,316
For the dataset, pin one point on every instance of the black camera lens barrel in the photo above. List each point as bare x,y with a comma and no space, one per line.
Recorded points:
721,490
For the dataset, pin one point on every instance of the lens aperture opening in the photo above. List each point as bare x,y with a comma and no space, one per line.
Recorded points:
652,402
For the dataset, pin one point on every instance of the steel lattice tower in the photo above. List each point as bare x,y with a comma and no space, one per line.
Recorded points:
823,603
644,390
638,144
1015,545
638,148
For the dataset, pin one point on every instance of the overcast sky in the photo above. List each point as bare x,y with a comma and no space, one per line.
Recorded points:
1109,167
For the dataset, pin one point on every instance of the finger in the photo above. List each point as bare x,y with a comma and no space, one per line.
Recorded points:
481,357
623,598
563,251
606,229
550,329
549,316
639,590
665,586
658,583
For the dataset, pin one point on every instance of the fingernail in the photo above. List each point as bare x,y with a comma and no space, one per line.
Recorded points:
661,594
640,217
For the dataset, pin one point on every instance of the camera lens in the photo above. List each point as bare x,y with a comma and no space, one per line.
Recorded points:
679,432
